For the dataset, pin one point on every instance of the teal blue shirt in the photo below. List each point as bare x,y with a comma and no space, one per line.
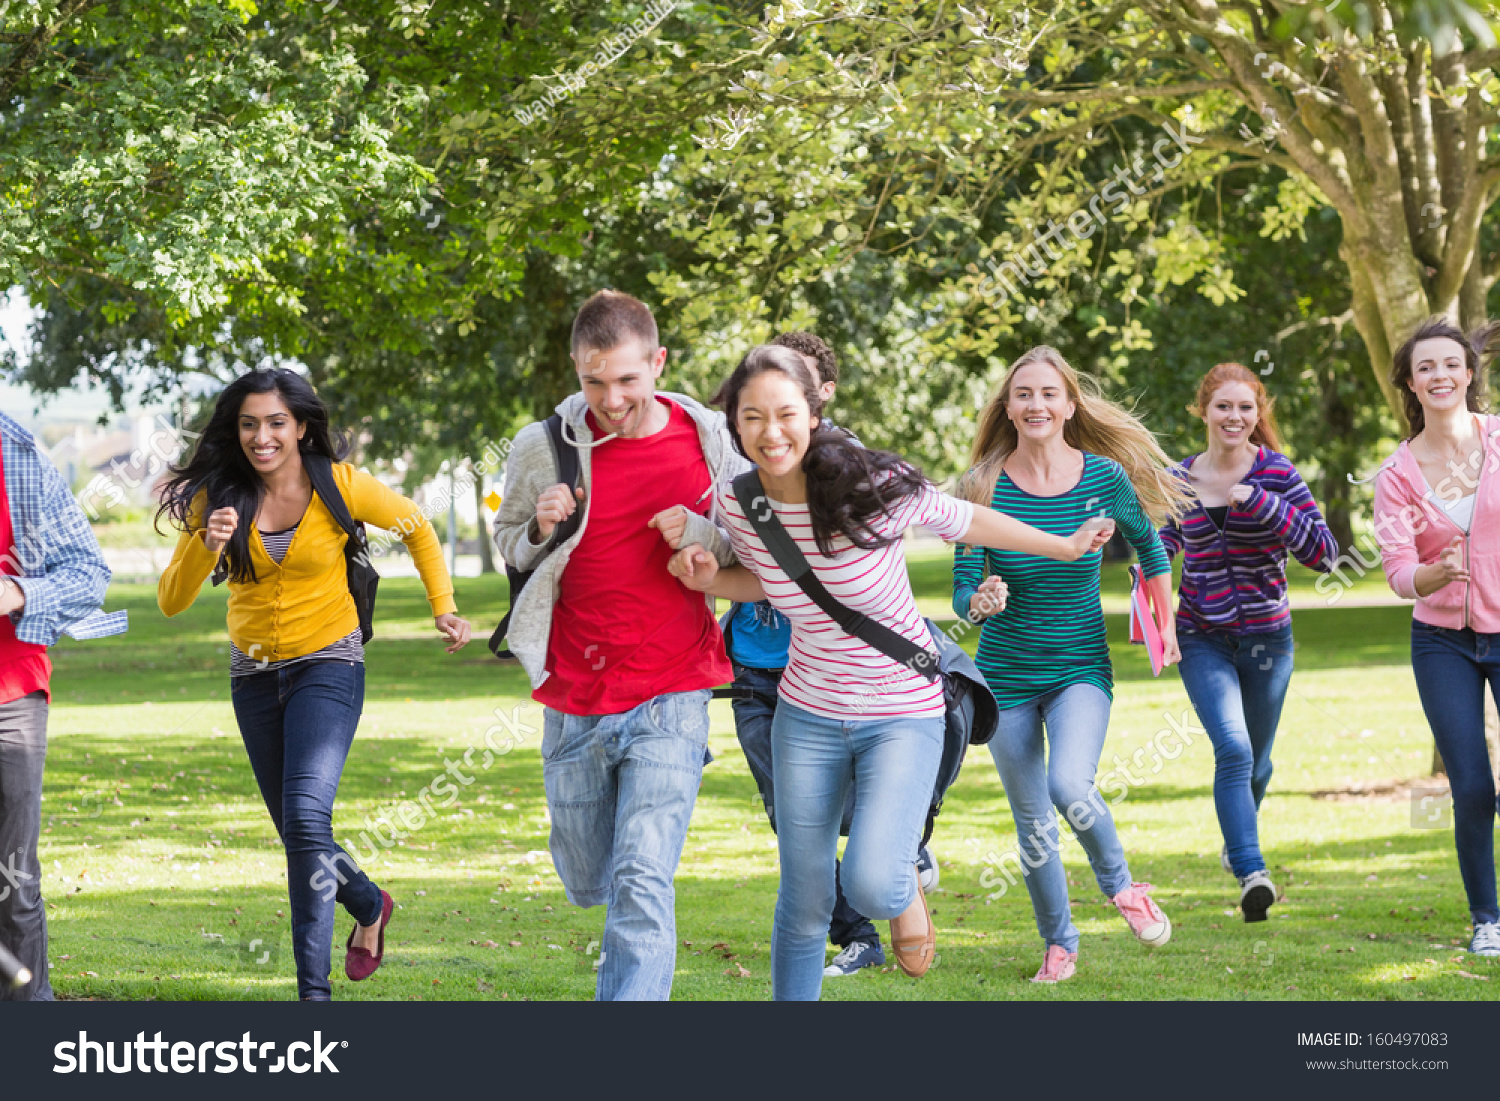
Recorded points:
1051,633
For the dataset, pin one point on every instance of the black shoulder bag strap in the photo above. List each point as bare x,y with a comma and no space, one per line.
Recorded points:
565,461
320,473
363,579
783,548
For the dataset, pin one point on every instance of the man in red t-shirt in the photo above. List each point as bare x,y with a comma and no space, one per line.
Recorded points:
622,655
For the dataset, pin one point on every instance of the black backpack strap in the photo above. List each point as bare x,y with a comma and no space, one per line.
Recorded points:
565,462
783,548
320,472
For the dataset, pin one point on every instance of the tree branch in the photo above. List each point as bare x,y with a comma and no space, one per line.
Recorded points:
33,44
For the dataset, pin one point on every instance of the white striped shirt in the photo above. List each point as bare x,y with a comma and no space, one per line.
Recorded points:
828,671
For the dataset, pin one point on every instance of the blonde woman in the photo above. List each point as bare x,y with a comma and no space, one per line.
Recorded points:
1051,452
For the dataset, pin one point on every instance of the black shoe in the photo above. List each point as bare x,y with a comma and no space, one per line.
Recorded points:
1257,894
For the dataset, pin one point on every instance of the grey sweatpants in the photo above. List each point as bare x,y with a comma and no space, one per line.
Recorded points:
23,918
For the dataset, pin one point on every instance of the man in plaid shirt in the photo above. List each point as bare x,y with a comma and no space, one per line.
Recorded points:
52,582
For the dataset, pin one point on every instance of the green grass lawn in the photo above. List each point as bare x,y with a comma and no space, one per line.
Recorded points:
161,866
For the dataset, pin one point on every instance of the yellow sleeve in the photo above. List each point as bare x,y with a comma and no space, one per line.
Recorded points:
373,502
192,562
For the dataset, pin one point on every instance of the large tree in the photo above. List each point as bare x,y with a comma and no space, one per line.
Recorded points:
898,127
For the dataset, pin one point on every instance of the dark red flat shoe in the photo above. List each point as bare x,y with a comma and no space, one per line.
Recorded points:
359,965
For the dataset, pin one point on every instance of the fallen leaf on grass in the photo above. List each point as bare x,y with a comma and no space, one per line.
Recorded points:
1465,974
737,972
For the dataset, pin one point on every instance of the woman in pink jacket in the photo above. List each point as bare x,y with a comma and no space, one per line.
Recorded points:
1437,521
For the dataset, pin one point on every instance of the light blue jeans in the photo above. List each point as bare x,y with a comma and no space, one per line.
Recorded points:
620,789
1039,784
893,765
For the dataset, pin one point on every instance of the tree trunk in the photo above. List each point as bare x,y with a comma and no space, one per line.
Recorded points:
486,544
1338,458
1388,302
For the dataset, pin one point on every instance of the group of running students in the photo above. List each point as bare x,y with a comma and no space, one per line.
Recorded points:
616,628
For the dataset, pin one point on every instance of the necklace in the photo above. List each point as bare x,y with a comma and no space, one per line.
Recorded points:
1464,453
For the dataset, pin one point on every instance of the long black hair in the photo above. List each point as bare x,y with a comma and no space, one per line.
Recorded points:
1476,346
220,467
848,486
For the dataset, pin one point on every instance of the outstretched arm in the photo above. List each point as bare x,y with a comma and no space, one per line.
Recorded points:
994,529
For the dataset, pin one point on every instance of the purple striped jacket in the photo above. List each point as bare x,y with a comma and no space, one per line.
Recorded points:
1234,580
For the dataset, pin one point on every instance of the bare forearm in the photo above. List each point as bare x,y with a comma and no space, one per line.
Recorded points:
994,529
738,584
1429,579
1160,588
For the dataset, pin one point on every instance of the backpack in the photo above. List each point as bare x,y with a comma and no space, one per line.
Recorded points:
565,459
971,714
359,570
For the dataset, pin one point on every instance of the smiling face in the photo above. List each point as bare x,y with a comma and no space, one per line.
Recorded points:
1232,414
1440,375
1037,402
620,385
268,432
774,423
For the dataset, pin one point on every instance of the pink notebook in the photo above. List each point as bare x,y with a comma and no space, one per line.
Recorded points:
1143,622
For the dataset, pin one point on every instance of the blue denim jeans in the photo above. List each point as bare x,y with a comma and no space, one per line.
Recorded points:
1075,720
1237,684
620,789
892,765
1452,668
752,725
297,724
23,912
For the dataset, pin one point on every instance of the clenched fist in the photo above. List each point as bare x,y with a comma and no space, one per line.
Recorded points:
555,505
672,523
221,525
988,600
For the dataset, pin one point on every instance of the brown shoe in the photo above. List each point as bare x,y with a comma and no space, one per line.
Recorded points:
914,949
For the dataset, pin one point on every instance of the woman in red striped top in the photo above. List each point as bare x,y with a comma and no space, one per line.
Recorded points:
848,713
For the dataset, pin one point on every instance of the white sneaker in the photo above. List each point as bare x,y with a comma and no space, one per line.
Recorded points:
1224,860
1486,940
927,870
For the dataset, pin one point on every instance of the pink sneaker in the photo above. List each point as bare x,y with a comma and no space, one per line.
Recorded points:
1057,965
1150,926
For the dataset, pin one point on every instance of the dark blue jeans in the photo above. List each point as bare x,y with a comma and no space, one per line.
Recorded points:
1452,668
1237,684
298,724
752,725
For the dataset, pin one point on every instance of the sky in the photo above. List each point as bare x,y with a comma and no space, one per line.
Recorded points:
20,402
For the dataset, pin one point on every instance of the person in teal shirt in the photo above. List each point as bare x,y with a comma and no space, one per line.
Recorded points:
1052,452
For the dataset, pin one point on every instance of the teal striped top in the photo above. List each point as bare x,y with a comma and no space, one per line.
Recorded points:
1051,633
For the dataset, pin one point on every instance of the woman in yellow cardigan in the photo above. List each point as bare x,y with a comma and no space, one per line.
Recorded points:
296,670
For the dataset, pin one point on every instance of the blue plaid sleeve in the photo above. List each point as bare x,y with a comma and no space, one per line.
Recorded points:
61,568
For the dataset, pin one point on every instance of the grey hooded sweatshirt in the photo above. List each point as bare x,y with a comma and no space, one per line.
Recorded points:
530,469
